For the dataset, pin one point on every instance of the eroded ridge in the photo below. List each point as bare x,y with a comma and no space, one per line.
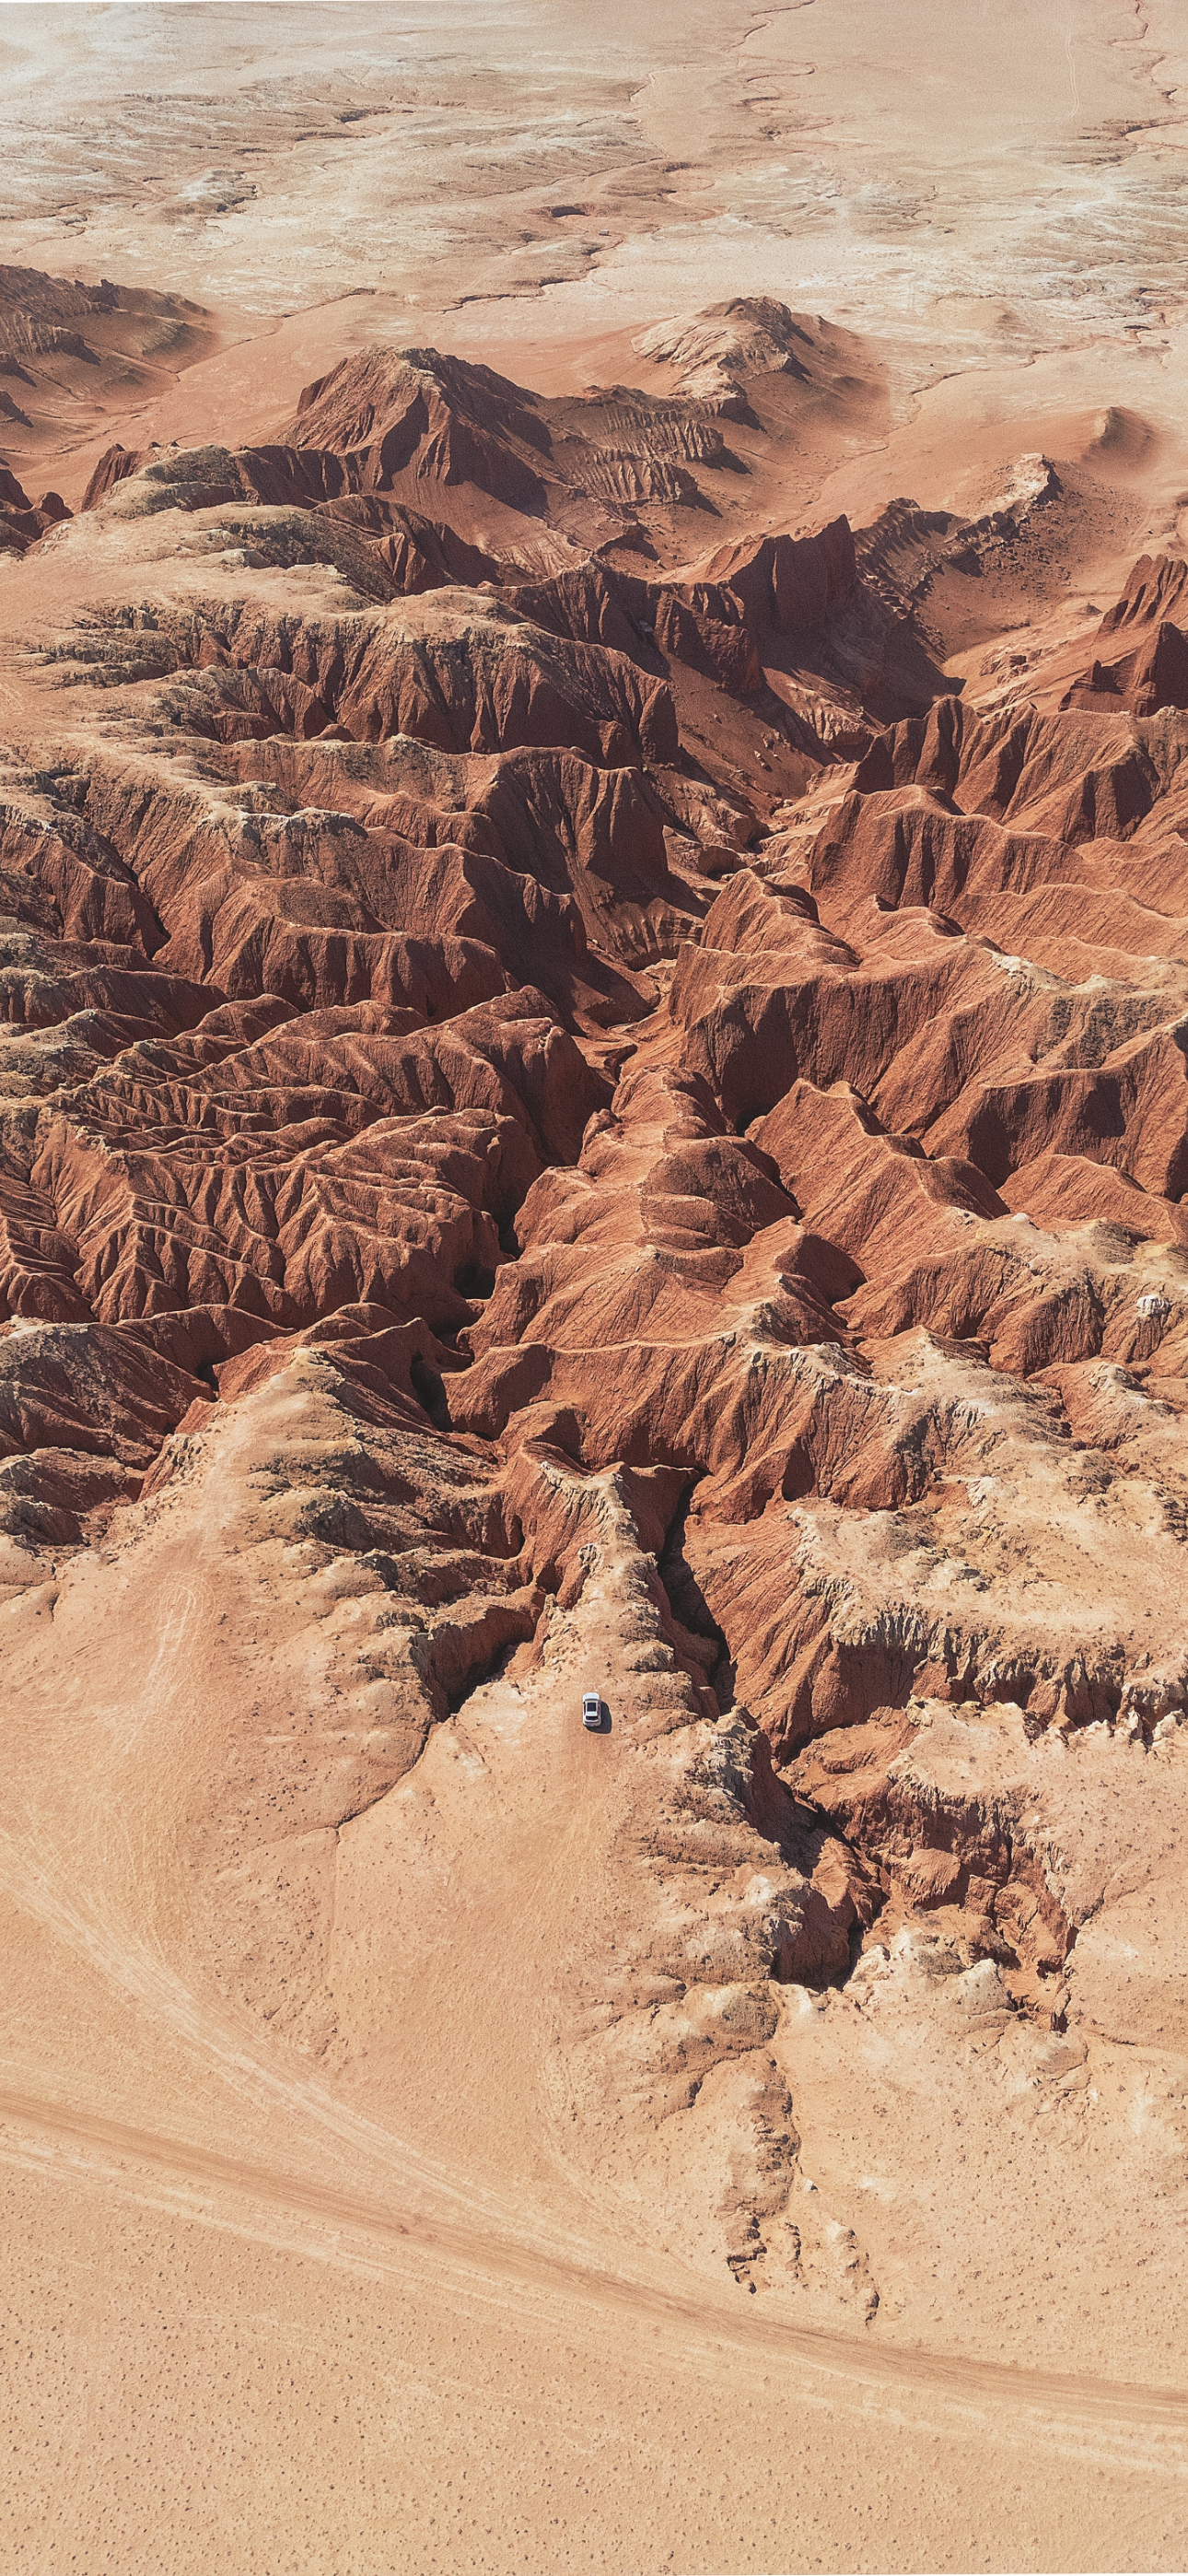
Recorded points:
575,1111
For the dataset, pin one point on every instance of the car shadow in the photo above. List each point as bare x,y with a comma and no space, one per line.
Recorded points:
604,1721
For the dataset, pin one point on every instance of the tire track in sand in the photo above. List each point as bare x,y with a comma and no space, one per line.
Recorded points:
1129,2427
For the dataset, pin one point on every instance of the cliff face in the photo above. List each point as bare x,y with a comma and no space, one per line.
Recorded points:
562,1083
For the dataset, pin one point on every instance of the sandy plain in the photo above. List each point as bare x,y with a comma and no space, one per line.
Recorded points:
346,2269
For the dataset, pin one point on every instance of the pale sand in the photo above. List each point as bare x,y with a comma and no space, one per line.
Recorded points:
259,2319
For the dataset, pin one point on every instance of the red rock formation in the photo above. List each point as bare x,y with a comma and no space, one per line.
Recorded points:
21,525
786,582
405,991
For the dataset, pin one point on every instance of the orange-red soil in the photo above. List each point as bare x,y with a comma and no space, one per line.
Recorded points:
593,1096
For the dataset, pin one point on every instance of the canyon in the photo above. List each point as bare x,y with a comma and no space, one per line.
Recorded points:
593,1097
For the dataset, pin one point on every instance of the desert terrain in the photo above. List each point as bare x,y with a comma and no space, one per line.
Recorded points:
593,1099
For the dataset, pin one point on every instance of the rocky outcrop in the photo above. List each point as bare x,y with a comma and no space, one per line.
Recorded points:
758,1213
717,349
21,524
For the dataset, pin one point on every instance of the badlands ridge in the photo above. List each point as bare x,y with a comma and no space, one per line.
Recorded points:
594,1093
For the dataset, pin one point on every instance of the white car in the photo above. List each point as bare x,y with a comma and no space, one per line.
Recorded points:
591,1709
